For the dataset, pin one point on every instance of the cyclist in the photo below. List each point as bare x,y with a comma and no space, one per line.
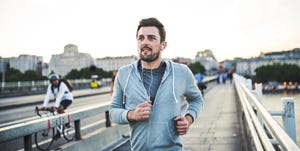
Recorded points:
63,96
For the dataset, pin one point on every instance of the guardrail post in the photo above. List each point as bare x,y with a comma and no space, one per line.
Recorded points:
2,86
19,85
28,143
249,84
258,91
108,122
77,130
288,118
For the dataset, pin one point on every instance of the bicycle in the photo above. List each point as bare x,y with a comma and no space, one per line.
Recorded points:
44,138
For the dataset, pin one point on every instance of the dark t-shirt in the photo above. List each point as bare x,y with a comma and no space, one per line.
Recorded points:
152,78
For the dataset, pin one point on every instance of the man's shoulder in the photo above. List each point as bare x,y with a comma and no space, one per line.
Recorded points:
125,68
175,64
180,66
124,71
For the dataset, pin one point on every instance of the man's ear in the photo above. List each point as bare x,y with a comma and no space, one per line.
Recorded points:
163,45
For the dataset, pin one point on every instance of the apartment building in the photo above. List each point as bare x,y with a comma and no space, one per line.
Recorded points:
113,63
24,62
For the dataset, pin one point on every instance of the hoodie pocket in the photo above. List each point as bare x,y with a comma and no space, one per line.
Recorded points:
163,134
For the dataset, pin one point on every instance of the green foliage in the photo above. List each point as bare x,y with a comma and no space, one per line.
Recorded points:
197,67
73,74
278,72
30,75
85,73
13,75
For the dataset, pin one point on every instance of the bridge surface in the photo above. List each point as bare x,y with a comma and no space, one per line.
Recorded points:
217,127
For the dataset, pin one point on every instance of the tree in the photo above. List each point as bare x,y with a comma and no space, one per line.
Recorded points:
278,72
197,67
31,75
13,75
85,73
73,74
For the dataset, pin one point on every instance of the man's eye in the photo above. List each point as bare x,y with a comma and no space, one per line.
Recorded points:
151,38
140,38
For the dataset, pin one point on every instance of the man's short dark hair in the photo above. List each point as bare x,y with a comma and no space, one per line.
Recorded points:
147,22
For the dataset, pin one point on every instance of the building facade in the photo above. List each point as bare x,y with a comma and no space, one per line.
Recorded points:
208,60
186,61
248,66
26,62
113,63
70,59
4,64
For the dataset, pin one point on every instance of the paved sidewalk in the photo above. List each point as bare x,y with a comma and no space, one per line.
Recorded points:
217,127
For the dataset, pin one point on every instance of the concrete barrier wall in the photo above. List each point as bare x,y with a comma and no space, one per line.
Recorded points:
101,139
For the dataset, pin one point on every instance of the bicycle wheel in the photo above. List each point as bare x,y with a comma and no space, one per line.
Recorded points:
68,132
44,139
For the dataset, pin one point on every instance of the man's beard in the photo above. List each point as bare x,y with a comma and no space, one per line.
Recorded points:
150,58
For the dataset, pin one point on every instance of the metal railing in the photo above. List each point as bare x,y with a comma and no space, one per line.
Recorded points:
37,87
20,84
262,131
28,128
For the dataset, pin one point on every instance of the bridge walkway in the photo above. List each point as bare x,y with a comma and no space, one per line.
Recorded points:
217,127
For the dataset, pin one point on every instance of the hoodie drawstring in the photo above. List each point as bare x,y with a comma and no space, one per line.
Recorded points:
173,82
124,94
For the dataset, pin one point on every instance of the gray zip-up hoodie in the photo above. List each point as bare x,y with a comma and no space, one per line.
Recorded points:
158,132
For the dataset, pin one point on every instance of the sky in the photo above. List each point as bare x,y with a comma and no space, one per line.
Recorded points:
230,28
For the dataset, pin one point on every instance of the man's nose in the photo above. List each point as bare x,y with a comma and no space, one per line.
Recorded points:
145,41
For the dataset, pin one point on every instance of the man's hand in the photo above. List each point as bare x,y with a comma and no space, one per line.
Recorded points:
142,112
60,109
183,123
41,108
52,109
